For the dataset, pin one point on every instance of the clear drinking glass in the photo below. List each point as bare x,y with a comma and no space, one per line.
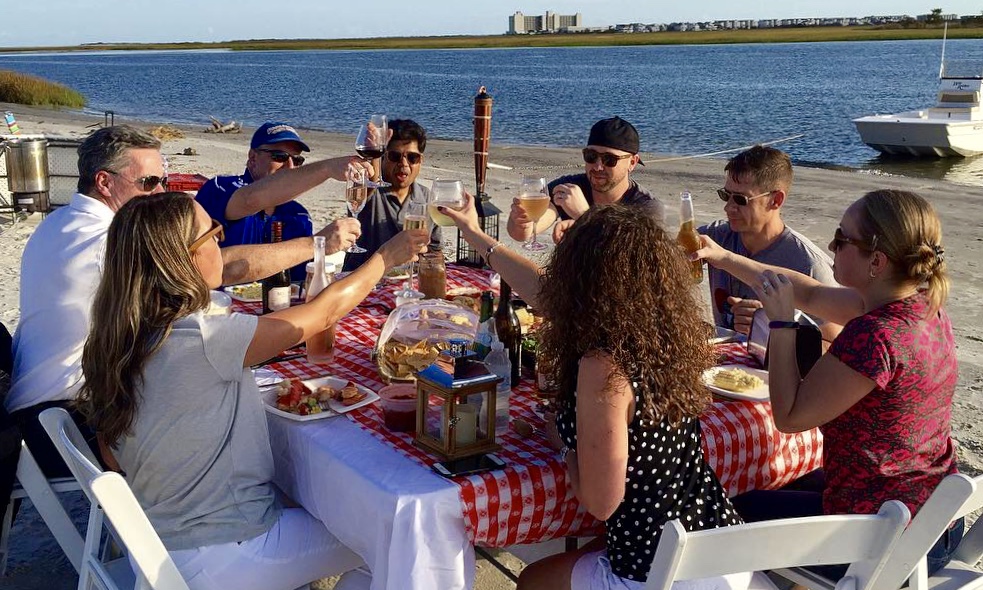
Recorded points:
416,218
370,143
534,200
445,193
356,194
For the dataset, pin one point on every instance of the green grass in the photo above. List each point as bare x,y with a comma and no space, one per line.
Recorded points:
782,35
30,90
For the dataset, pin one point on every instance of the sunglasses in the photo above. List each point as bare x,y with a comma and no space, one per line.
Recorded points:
607,158
840,240
281,157
147,183
740,200
396,157
217,231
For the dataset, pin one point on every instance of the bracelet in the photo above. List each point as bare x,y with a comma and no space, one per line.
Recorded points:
489,251
780,324
563,454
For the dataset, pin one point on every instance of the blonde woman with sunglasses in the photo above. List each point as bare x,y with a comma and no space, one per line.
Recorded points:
171,391
882,394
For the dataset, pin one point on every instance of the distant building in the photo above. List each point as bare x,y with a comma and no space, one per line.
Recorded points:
520,24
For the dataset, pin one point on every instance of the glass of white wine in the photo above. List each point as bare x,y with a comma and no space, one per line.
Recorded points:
534,200
415,218
356,194
445,193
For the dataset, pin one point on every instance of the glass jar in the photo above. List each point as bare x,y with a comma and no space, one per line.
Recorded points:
433,275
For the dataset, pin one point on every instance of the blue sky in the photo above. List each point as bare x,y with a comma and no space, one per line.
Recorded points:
70,22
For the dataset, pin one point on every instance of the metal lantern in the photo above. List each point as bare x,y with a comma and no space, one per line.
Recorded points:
449,396
487,212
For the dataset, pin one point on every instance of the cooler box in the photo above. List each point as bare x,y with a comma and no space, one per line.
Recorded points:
189,183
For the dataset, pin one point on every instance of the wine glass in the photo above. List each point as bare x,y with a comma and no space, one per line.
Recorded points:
356,194
534,200
445,193
415,218
370,143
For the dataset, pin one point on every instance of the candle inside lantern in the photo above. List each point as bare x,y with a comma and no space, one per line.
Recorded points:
466,429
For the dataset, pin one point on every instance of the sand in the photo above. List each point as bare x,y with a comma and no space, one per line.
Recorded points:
816,203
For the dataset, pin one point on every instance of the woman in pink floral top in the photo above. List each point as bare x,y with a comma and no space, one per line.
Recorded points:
882,394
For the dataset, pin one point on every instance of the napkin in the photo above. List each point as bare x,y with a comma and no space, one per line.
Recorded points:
266,376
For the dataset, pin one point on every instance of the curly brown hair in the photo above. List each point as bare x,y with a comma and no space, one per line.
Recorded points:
619,283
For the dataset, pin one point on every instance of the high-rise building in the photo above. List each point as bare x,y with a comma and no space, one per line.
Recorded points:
548,23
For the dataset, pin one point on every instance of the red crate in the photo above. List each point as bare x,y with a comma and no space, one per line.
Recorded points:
189,183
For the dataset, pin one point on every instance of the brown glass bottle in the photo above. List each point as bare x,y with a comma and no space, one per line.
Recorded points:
508,329
276,288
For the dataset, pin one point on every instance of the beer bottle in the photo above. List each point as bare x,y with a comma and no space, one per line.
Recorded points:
688,238
508,329
276,288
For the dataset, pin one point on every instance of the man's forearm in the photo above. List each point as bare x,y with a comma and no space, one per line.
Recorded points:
251,262
279,188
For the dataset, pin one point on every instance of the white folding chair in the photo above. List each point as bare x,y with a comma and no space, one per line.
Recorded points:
115,574
863,541
956,496
31,483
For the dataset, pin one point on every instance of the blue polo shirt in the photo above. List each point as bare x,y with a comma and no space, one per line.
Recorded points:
214,196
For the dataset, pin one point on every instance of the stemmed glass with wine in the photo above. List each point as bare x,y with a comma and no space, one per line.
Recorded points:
534,200
370,143
445,193
415,218
356,194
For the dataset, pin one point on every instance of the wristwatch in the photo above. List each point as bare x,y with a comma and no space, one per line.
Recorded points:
779,324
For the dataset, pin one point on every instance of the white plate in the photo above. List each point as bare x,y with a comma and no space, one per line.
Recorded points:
266,376
755,395
269,399
235,292
396,276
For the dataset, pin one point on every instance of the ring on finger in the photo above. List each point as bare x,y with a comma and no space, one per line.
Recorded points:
765,285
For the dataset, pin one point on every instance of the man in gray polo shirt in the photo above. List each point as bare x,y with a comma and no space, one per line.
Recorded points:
757,183
382,216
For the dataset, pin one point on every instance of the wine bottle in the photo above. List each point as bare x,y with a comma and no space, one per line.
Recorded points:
276,288
508,329
688,238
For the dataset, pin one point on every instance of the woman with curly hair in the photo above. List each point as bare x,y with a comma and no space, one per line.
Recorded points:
624,337
170,389
882,394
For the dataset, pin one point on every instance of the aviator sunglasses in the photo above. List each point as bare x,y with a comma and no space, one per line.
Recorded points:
739,199
217,231
608,159
396,157
147,183
281,157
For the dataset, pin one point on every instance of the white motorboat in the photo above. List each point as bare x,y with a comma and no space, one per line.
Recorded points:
953,127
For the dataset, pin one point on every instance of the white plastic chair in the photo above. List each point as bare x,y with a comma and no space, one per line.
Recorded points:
956,496
863,541
31,483
115,574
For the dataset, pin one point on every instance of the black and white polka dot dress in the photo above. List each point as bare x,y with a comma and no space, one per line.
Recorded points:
667,478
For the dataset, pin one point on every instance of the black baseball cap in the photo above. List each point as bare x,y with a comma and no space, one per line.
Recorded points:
614,133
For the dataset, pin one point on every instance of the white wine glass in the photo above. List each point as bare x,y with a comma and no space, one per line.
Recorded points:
445,193
534,200
356,195
370,143
415,218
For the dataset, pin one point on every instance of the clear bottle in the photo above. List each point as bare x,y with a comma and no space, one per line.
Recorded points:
320,347
688,237
499,364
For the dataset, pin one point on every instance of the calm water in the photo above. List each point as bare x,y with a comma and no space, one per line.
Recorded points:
684,100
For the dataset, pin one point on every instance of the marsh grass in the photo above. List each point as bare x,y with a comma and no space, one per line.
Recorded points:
30,90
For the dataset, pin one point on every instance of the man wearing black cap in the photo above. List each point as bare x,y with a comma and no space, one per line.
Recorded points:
611,154
265,192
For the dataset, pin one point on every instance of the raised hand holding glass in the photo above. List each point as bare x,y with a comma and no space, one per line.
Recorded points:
534,200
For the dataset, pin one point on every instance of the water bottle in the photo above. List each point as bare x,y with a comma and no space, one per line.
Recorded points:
498,363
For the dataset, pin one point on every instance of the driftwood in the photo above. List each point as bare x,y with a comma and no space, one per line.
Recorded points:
219,127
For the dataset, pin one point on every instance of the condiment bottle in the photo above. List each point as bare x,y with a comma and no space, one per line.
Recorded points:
433,275
320,347
276,288
508,329
688,238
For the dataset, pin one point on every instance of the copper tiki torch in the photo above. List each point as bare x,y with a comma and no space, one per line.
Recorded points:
487,213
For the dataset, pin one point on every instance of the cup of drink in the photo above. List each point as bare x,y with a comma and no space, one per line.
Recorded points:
399,407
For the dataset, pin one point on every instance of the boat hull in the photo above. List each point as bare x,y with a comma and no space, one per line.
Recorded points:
913,134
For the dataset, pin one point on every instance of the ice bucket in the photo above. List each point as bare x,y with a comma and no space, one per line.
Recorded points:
27,173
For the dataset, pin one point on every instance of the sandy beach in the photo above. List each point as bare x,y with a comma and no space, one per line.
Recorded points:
817,200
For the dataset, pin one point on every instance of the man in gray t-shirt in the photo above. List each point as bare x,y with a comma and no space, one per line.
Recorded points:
756,186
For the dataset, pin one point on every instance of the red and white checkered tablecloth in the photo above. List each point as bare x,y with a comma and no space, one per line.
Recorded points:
531,500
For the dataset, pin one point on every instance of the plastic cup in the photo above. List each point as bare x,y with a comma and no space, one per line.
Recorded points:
399,407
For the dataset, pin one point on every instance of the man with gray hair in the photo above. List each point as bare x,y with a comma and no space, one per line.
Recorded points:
61,268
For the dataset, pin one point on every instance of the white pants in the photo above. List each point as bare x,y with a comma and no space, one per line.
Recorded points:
593,572
297,550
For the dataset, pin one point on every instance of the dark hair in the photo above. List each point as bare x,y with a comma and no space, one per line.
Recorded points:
905,227
408,130
766,168
149,280
618,283
105,149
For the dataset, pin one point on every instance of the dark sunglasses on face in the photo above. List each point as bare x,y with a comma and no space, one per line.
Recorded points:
607,158
740,200
147,183
396,157
840,240
281,157
217,231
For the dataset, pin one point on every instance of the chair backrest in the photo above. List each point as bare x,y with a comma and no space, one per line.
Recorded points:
134,529
71,446
863,541
956,496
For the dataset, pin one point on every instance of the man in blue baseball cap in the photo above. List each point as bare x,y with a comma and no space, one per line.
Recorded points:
275,175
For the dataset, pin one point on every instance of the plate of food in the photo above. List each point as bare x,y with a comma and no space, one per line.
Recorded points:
314,399
247,292
396,273
738,382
